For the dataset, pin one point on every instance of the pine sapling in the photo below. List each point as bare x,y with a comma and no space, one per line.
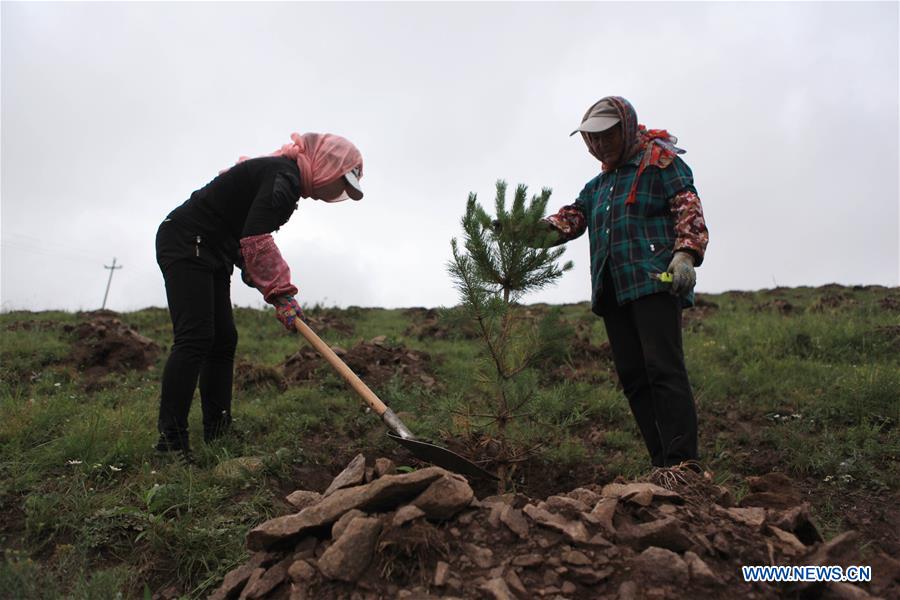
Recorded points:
500,260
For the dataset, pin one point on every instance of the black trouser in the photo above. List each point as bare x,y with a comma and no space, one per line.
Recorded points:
645,337
198,290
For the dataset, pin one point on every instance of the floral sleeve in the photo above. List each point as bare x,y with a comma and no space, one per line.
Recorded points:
690,226
569,222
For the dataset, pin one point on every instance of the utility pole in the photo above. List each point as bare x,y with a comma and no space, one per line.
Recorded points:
111,270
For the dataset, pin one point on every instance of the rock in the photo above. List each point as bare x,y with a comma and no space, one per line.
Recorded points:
628,591
406,514
753,517
497,509
251,583
664,533
508,498
496,588
584,496
573,530
643,497
348,558
269,580
242,466
662,566
721,544
527,560
566,505
831,551
599,540
341,524
382,493
300,499
590,576
370,475
441,572
603,513
384,466
637,492
298,592
515,520
301,570
236,579
515,584
482,557
843,591
788,542
699,571
798,521
724,496
353,475
569,588
574,557
306,548
445,497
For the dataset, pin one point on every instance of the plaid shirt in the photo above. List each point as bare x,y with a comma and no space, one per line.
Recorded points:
636,240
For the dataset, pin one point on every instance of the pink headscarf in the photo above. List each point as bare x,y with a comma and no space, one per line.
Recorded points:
321,158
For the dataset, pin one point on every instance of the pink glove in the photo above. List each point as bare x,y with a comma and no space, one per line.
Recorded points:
287,310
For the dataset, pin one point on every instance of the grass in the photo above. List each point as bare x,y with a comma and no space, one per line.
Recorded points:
89,511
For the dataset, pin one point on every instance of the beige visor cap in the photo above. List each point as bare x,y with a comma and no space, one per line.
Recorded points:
600,117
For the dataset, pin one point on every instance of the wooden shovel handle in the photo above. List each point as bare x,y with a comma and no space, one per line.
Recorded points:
343,370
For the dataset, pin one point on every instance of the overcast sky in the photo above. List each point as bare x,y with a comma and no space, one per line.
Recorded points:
112,114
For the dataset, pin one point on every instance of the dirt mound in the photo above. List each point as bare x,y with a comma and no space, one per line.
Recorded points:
327,321
585,362
833,300
374,534
105,345
32,325
778,305
889,333
890,302
702,309
375,362
428,324
248,376
301,366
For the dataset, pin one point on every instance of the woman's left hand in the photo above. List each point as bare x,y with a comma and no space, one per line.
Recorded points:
683,276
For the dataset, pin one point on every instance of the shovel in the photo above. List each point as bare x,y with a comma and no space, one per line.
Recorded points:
398,432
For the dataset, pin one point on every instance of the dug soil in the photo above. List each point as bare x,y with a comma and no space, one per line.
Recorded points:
374,533
103,344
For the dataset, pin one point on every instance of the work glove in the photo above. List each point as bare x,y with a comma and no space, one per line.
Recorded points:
683,276
287,310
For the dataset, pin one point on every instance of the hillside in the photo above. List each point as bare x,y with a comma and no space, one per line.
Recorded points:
800,382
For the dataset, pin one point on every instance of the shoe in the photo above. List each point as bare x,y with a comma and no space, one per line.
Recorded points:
179,450
220,427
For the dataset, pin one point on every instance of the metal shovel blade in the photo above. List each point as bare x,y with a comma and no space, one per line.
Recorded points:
442,457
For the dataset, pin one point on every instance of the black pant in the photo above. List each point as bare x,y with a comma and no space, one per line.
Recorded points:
198,290
645,337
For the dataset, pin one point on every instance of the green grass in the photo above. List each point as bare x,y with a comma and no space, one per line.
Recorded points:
89,511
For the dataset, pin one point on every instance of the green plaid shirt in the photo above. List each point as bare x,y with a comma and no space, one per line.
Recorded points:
635,241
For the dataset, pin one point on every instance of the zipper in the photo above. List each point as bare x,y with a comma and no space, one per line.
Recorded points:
197,247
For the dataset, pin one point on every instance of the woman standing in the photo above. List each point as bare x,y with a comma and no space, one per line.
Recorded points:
229,222
647,234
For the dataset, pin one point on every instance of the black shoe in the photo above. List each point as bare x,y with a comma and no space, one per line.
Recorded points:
177,449
221,430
